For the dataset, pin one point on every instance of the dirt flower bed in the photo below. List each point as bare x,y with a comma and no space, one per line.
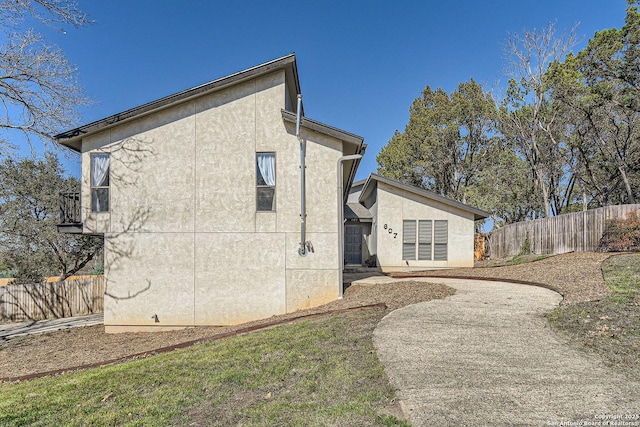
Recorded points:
69,348
577,276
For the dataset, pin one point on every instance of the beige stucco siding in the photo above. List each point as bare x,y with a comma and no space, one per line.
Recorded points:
147,274
322,154
225,143
152,167
373,238
183,220
395,205
309,288
239,277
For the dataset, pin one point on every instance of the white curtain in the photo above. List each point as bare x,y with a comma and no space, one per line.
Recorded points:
100,170
267,166
99,178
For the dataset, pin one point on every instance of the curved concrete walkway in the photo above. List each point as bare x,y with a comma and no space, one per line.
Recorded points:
487,356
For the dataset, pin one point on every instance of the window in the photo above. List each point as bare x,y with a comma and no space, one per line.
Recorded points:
431,238
424,239
100,182
440,238
266,181
408,239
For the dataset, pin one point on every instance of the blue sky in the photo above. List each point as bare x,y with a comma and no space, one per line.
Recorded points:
361,63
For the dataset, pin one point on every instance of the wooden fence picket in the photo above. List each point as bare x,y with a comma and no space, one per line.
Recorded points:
52,300
574,232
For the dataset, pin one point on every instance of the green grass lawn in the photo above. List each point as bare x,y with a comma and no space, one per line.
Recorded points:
317,372
314,373
611,327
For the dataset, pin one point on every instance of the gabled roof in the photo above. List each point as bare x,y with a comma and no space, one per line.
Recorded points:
72,138
373,180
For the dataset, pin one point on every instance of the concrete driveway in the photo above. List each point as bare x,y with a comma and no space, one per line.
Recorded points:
487,356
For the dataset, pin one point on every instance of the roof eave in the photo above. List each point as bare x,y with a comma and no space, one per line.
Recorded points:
72,138
324,129
367,188
356,142
478,214
352,173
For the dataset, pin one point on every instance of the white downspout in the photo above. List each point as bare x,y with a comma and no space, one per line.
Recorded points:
341,220
305,246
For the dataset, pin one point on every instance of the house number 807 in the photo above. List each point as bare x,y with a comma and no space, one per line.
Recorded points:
390,230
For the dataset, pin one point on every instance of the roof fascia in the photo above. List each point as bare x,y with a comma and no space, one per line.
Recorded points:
477,213
357,143
357,183
368,187
72,138
352,173
324,128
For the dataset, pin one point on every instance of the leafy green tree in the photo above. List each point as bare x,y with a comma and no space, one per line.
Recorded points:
506,188
598,93
445,142
39,93
29,191
565,136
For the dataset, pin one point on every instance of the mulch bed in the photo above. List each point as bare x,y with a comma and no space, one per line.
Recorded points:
577,276
72,348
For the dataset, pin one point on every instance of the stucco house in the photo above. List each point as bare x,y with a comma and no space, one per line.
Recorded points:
398,227
224,203
218,205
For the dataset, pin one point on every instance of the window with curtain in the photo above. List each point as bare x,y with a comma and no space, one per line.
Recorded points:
100,182
265,181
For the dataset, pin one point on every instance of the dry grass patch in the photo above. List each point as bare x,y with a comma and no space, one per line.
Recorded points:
610,326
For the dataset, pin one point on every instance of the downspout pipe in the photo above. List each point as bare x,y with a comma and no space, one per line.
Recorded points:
341,161
303,249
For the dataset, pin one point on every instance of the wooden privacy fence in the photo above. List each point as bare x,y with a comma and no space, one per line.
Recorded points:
52,300
574,232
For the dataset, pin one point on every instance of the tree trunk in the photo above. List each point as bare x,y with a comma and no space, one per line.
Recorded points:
627,185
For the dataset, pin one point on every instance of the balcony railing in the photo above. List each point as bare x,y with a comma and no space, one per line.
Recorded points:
70,219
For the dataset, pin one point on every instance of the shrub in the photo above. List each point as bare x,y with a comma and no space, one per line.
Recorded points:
97,269
7,274
525,247
621,235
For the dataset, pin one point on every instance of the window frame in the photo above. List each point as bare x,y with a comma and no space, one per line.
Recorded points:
425,240
409,240
103,187
441,240
260,185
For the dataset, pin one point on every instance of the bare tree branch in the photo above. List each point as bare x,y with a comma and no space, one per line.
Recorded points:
39,93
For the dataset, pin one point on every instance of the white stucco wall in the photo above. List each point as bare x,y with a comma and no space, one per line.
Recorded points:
183,238
390,206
